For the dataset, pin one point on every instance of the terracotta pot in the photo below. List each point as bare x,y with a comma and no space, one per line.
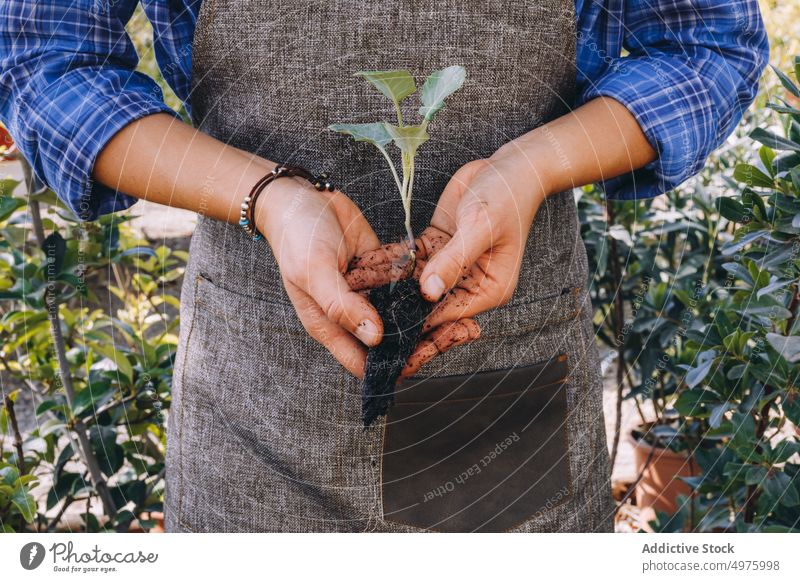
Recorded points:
660,486
159,518
5,138
7,146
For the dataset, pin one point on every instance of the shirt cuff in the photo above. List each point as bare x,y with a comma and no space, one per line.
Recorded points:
81,115
675,112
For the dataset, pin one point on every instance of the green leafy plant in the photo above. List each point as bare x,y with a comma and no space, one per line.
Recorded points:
697,299
397,86
743,383
89,331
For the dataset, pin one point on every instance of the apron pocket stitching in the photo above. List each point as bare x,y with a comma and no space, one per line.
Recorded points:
509,329
271,298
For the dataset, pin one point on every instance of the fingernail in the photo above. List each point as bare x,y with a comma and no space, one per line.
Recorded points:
433,287
367,332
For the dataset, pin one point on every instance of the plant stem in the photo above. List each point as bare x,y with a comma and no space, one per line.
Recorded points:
399,114
36,218
635,400
51,304
793,307
639,477
85,448
68,500
88,512
405,196
753,493
114,404
12,417
36,215
409,192
35,391
394,170
406,177
693,493
619,322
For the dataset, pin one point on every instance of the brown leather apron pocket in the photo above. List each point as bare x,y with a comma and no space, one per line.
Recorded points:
481,452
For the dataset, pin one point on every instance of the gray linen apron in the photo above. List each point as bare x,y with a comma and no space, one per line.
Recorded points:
265,433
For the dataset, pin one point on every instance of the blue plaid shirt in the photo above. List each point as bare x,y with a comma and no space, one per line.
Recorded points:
67,80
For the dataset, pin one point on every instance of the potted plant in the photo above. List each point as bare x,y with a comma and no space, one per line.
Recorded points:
665,447
650,268
737,397
400,303
712,349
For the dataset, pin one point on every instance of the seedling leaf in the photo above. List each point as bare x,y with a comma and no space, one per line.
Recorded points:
438,87
396,85
374,133
408,138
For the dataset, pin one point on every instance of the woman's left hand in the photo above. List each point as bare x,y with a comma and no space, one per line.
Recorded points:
471,254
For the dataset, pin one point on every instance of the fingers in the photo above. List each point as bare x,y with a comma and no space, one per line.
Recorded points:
362,278
440,340
457,305
388,263
429,242
445,215
312,263
347,350
385,255
490,283
343,306
379,267
470,222
447,267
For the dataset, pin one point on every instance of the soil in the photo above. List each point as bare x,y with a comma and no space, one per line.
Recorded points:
403,311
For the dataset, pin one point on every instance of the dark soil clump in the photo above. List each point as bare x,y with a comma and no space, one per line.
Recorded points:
403,311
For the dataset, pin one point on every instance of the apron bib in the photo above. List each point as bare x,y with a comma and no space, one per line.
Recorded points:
505,434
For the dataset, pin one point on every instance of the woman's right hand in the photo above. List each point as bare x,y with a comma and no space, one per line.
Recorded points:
313,236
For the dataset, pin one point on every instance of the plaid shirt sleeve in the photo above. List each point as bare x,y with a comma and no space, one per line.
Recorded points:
691,70
67,85
68,80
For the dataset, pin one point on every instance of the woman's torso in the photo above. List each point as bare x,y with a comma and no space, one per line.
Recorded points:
271,75
265,430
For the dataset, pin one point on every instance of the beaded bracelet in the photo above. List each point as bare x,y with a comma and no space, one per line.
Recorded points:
247,216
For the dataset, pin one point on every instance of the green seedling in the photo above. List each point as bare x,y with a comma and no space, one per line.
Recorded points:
397,86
